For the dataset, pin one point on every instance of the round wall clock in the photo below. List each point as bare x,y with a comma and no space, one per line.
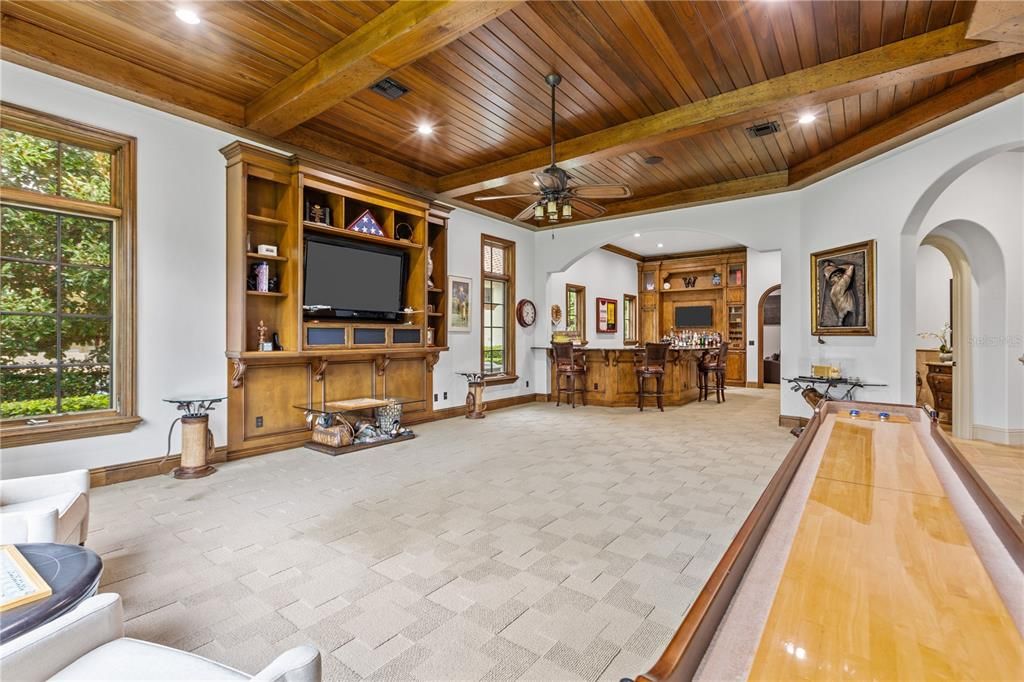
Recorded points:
526,313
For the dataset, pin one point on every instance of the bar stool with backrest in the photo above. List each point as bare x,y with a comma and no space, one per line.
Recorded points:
712,364
652,366
569,366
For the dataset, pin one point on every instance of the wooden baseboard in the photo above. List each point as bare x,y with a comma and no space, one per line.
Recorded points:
130,471
752,384
499,403
789,422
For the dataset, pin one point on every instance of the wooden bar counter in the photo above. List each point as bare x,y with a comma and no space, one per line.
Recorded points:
611,379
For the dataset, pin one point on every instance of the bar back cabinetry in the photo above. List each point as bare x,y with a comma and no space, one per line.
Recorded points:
714,280
275,200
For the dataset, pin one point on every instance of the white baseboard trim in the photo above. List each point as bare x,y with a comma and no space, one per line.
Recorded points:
994,434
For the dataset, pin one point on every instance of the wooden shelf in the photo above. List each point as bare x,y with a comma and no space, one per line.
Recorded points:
266,221
435,314
436,291
360,236
258,256
265,293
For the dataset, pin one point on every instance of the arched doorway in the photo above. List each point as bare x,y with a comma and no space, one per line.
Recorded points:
770,291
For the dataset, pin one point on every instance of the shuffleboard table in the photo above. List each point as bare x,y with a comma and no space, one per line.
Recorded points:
876,552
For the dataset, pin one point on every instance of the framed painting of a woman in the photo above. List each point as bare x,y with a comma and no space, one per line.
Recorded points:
843,291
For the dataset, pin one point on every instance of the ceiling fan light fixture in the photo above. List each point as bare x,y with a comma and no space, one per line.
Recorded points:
538,212
567,210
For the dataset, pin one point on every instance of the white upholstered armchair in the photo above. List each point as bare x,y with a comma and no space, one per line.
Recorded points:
88,643
51,508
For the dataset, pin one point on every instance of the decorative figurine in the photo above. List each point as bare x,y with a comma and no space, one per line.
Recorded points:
716,279
430,267
261,331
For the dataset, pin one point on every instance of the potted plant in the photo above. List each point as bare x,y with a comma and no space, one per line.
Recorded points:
945,350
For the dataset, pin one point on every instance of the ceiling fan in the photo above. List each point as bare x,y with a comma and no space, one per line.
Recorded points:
555,197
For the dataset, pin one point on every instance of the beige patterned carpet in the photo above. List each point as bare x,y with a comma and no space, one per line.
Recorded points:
541,543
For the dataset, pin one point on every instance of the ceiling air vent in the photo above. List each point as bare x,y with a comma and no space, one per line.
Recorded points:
763,129
389,88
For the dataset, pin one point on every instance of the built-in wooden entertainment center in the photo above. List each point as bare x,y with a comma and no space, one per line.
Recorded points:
709,279
321,359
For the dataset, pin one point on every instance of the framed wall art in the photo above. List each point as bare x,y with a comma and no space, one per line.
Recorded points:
843,291
460,300
607,315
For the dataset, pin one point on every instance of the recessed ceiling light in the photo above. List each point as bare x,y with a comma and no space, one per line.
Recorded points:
189,16
807,118
660,245
653,160
425,129
536,183
636,234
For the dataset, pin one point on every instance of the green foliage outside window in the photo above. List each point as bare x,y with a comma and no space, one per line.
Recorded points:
55,281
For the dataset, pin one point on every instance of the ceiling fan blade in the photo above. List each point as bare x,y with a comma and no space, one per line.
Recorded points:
587,208
601,191
506,196
526,213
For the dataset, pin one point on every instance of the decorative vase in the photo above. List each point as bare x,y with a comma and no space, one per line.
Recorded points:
389,418
430,266
946,357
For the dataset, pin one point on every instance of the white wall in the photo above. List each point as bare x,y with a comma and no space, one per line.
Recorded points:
983,212
764,270
895,199
605,275
181,274
181,268
933,275
464,230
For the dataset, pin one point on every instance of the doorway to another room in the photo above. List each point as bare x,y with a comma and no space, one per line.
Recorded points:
769,337
934,325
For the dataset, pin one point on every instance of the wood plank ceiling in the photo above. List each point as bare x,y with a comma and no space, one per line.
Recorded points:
475,73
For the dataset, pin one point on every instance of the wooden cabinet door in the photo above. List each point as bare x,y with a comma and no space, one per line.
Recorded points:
736,367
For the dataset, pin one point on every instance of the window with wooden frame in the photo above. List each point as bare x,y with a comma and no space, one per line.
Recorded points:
67,279
629,319
576,311
498,331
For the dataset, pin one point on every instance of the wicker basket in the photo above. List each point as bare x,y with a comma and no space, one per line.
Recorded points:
336,436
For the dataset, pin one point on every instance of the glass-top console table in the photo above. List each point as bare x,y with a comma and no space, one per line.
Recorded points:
352,424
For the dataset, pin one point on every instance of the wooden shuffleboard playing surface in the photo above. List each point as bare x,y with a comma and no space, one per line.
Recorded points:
881,580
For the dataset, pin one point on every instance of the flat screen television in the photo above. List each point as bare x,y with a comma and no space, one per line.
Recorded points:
347,279
695,316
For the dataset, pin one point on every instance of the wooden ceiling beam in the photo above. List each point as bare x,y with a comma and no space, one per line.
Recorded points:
997,20
930,54
401,34
967,97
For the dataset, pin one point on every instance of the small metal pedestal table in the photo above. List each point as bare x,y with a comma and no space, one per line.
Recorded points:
807,387
475,405
196,437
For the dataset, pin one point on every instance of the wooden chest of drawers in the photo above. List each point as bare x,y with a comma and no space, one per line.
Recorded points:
940,381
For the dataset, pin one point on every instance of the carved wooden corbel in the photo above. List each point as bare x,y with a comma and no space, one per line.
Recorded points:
605,354
382,362
432,359
239,373
318,375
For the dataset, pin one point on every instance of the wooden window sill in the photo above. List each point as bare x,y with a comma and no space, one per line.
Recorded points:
14,435
499,379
